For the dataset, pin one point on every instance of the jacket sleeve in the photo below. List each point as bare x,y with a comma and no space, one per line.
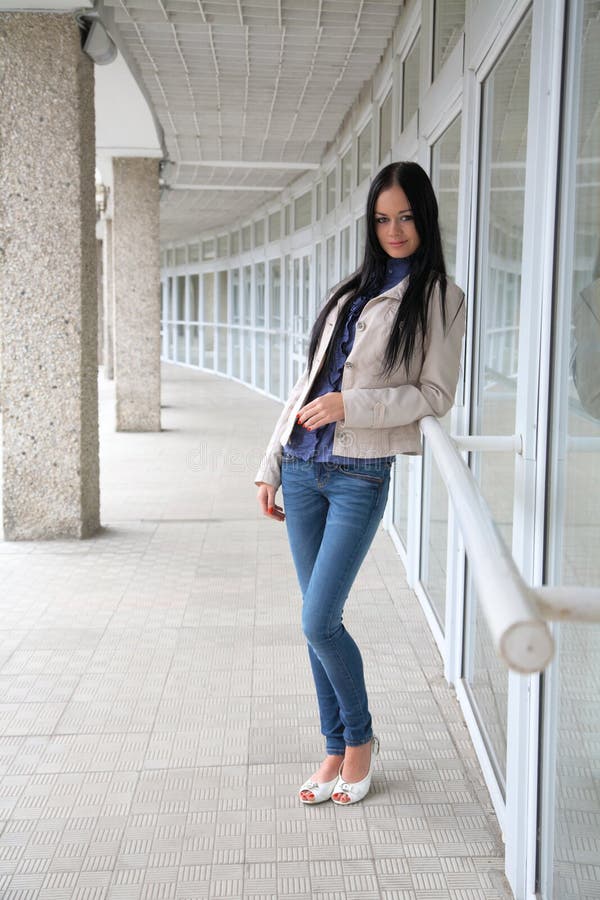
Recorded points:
269,470
433,395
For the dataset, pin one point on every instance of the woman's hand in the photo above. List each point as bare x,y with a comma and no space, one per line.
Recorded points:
322,411
266,501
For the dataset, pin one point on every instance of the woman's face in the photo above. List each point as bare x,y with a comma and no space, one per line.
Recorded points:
394,223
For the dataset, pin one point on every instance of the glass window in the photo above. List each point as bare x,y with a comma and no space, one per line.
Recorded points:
275,226
572,708
303,211
236,353
247,337
445,167
361,237
181,298
449,22
318,200
410,82
194,333
194,298
275,293
331,268
236,306
286,219
235,243
208,282
260,339
193,252
330,191
345,252
318,273
305,291
209,347
363,162
500,244
180,350
385,127
180,256
259,233
346,175
170,257
208,249
259,274
223,245
246,238
222,351
223,278
275,365
247,295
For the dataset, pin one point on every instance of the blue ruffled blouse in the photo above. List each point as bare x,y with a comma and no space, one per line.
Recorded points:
317,445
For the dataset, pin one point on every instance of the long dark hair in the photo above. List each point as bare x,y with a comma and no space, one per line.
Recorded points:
427,269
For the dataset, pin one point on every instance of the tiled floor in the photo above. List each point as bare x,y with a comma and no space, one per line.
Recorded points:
157,711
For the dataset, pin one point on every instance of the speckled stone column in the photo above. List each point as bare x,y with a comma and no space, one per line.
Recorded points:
48,304
99,282
137,293
108,299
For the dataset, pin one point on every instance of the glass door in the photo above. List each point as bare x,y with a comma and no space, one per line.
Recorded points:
504,124
570,796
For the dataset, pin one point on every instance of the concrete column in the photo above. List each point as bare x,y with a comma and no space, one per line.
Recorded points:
99,282
108,299
48,304
137,293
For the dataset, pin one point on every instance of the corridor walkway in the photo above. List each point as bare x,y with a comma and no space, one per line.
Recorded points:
157,712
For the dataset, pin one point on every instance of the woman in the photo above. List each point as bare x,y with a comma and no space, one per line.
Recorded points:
384,352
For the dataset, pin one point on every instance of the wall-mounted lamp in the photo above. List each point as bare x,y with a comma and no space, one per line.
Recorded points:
97,42
101,198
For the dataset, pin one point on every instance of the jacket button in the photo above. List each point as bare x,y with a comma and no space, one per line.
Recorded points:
344,438
360,326
348,365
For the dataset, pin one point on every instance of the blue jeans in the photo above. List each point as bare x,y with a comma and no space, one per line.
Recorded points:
332,513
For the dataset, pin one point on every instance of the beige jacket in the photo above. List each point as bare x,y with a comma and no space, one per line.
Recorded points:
381,413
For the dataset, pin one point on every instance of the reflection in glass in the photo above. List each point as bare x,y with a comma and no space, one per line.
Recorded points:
500,240
363,162
573,710
346,175
275,226
275,293
303,210
180,357
260,360
235,243
259,233
330,251
194,345
330,190
445,158
236,306
209,348
194,298
259,272
246,238
445,163
247,306
222,283
247,355
410,82
345,252
449,22
236,353
385,127
208,282
222,245
275,365
222,354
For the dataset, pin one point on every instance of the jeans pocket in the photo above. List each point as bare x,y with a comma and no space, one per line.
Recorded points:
368,477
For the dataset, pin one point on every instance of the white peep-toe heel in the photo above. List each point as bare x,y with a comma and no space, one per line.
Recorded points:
321,791
360,789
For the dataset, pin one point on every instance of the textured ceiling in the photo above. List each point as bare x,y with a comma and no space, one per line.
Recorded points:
247,81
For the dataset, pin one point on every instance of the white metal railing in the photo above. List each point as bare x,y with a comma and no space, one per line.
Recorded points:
516,613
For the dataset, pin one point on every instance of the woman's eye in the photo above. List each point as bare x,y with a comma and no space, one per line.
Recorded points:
381,221
406,218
